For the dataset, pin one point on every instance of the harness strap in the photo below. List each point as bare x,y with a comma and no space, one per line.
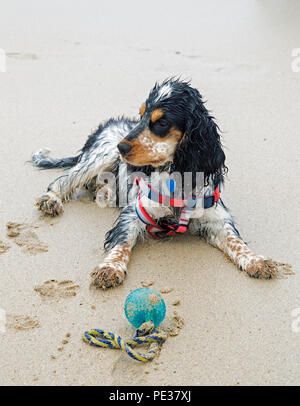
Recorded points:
162,230
155,196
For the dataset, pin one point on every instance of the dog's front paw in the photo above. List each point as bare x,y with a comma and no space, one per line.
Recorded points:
267,268
50,204
107,275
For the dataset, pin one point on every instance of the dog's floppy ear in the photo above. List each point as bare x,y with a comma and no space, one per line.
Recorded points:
200,149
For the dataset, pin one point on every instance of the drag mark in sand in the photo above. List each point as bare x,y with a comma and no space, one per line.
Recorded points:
22,55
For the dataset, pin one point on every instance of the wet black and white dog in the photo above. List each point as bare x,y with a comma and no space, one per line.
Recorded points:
175,133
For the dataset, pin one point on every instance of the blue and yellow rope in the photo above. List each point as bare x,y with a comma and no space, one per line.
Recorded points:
145,334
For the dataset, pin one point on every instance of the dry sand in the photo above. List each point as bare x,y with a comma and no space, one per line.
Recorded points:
71,65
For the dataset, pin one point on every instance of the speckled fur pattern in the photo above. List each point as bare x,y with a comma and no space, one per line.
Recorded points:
175,133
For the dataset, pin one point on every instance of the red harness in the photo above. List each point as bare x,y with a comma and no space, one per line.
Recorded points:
165,230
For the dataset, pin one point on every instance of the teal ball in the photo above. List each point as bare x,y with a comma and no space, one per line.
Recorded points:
144,304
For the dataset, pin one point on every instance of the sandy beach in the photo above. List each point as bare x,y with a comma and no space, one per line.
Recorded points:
71,65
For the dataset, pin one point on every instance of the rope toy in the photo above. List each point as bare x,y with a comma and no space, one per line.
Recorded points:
145,309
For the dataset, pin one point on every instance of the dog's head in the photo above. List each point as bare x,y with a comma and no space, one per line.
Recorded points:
174,127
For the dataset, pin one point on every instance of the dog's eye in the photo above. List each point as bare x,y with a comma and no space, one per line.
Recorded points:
160,127
162,123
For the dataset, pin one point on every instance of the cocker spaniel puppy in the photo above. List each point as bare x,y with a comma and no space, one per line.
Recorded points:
175,134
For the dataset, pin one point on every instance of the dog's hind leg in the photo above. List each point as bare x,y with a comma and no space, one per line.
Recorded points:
99,154
119,242
81,174
216,226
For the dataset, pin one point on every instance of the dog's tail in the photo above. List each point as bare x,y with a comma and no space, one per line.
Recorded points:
42,160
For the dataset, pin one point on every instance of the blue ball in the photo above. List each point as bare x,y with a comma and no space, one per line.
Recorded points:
144,304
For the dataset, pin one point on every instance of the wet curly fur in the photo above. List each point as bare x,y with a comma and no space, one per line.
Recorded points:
175,133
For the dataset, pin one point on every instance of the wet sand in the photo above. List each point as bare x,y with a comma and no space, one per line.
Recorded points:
72,65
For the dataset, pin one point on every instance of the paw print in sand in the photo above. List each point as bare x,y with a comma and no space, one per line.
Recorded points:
24,236
55,289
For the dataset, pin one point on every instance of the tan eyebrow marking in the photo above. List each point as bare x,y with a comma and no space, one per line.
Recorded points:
142,109
156,115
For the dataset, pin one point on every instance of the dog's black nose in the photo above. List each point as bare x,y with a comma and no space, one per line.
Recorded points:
124,148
